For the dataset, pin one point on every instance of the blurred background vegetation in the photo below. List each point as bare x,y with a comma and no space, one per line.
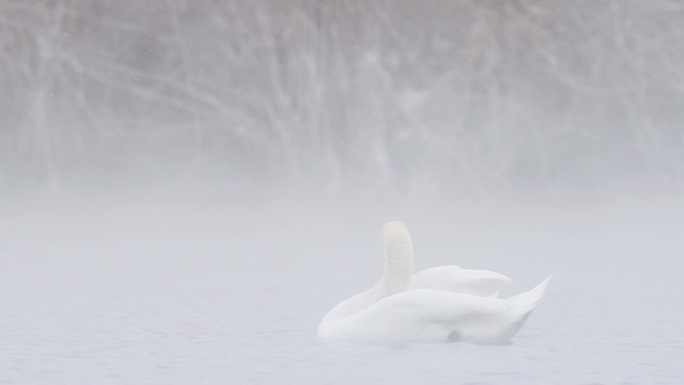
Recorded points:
376,98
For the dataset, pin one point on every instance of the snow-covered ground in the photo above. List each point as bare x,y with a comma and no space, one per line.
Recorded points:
187,292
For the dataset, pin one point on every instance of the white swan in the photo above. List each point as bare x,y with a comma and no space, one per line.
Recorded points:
442,304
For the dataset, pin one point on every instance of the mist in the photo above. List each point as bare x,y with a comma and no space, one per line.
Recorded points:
187,187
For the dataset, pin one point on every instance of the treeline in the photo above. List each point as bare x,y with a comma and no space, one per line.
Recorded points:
379,97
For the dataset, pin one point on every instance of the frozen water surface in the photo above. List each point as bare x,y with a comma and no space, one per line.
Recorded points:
172,293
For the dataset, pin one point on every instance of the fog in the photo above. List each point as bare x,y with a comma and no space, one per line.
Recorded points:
187,187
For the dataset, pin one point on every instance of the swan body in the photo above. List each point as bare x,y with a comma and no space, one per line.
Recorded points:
442,304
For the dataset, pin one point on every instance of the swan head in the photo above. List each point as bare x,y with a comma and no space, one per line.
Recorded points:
396,240
394,231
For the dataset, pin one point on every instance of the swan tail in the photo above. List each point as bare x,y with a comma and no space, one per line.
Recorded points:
523,304
530,299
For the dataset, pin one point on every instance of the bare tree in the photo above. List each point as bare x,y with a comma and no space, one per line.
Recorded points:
378,97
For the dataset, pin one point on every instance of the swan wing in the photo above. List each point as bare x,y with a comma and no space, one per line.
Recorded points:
435,316
456,279
421,315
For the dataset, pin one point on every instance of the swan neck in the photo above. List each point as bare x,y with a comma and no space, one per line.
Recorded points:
398,263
